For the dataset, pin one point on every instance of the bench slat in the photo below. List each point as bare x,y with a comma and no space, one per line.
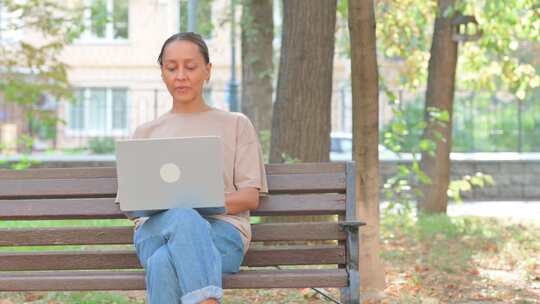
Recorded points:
110,172
301,204
124,235
306,168
49,188
134,280
308,255
106,187
307,183
66,236
50,209
105,208
127,259
308,231
58,173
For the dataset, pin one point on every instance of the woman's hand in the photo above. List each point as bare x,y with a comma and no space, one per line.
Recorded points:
242,200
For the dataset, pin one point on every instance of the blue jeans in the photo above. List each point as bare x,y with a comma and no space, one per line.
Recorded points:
184,255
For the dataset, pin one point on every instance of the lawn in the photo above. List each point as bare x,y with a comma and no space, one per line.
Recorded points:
434,259
438,259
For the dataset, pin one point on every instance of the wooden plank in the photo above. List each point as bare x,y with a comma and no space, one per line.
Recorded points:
49,209
127,259
305,168
124,235
50,188
66,236
59,173
72,281
105,208
305,255
307,183
110,172
301,204
134,280
286,279
308,231
106,187
68,260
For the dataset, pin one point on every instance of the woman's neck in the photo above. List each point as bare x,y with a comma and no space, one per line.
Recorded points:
191,107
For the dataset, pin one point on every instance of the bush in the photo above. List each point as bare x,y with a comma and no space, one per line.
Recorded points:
102,145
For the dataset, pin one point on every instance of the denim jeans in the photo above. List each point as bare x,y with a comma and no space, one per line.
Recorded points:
184,255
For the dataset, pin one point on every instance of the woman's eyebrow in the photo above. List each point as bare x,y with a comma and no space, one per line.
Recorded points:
187,60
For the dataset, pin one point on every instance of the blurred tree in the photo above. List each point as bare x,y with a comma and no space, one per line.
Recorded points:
301,118
257,62
365,103
30,60
494,63
439,95
491,64
204,26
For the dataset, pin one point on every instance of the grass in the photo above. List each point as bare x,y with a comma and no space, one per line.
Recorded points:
461,260
70,297
432,259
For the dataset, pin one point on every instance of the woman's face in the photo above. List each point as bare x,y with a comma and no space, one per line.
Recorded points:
184,71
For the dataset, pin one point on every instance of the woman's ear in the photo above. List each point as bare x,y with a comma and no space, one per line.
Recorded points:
208,71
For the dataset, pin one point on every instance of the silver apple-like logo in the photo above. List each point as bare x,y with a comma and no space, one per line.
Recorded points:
170,173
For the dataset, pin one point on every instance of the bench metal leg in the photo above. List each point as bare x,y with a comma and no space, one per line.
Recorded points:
351,294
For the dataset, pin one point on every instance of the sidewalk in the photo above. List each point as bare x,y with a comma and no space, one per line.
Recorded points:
520,210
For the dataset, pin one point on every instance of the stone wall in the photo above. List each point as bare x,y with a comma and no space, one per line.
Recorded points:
517,177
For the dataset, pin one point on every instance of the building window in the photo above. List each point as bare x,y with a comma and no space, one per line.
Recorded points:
98,112
107,20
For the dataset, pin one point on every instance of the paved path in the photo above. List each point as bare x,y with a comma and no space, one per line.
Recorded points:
521,210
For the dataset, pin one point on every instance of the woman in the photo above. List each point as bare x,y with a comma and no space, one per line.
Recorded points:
184,253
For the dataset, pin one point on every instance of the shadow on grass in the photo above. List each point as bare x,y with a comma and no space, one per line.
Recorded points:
452,260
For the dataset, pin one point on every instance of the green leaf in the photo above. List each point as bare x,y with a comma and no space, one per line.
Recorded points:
427,145
489,180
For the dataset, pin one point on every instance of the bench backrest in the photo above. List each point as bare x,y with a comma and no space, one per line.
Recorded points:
88,193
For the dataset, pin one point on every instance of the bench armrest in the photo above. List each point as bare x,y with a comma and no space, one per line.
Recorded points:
351,225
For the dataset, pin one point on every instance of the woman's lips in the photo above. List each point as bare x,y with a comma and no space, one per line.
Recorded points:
182,89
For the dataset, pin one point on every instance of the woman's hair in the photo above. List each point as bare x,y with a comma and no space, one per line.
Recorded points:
186,36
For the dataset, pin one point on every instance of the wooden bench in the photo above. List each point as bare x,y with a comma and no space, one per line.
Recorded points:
101,264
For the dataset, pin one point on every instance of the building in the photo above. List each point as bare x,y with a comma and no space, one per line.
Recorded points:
114,71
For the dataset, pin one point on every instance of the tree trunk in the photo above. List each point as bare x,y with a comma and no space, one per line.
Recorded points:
439,94
257,64
301,120
365,106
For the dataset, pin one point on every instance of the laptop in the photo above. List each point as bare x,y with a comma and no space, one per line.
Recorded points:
157,174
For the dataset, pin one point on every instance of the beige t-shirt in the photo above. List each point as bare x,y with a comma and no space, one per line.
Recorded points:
243,161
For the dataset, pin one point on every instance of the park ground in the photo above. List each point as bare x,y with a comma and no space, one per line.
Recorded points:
477,255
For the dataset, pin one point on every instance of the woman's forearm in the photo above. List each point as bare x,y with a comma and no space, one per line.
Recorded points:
242,200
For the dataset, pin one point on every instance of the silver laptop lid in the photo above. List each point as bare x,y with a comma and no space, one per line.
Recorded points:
157,174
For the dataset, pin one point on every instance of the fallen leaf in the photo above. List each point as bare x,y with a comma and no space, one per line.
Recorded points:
474,272
31,297
308,293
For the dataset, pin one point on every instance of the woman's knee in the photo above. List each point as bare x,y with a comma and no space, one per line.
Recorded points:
159,261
